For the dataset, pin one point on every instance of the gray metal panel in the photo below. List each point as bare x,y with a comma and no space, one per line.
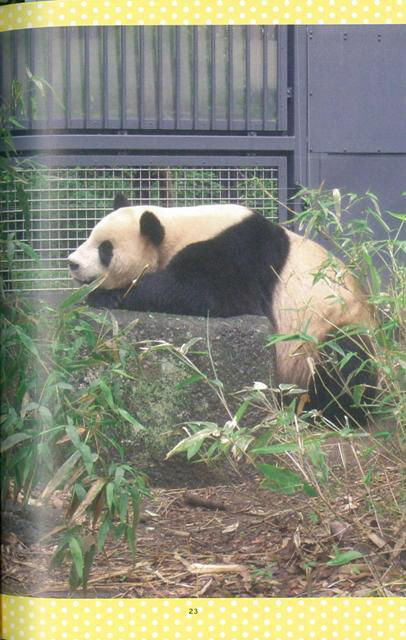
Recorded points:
382,175
357,88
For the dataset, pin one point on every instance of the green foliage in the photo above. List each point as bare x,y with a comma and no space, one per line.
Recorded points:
344,557
380,267
114,500
63,421
283,480
17,173
13,109
264,574
290,432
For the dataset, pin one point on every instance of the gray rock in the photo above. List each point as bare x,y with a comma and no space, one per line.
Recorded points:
174,385
230,354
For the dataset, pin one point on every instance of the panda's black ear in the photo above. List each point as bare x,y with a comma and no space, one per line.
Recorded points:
151,228
120,201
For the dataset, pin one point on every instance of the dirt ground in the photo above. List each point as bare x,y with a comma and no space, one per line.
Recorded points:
250,543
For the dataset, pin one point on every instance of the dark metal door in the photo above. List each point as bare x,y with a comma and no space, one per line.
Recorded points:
357,111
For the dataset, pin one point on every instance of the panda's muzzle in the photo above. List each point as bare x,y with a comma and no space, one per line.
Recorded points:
73,266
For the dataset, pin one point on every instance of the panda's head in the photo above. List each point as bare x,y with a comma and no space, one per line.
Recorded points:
120,246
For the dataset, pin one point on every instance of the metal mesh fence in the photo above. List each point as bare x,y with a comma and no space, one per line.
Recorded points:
63,205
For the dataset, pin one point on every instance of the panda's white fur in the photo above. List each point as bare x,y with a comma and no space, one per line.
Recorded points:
313,306
302,301
132,252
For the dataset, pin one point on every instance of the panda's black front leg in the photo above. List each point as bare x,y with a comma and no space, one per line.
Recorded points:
160,292
106,298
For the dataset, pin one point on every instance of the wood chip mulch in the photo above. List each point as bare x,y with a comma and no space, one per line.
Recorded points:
241,540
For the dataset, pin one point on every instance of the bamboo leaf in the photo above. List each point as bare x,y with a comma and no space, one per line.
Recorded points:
242,410
15,123
127,416
399,216
93,492
110,495
190,380
344,558
280,480
275,449
191,441
13,440
77,556
60,475
81,294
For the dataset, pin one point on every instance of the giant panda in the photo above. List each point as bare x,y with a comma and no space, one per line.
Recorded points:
227,260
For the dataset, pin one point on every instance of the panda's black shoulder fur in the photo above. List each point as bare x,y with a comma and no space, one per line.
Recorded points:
233,273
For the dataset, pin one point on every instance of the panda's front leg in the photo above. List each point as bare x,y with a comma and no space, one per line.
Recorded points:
106,298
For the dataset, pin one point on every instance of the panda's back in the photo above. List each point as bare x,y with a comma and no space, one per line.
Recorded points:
236,210
187,225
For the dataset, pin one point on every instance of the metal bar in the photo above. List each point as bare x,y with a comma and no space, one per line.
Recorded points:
157,162
68,77
41,61
50,78
195,96
14,60
248,78
105,118
213,78
265,70
283,191
123,78
2,58
87,79
300,98
14,53
282,80
105,142
142,79
160,91
230,86
32,69
178,105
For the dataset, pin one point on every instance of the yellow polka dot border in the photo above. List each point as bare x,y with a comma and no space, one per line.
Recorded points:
207,619
64,13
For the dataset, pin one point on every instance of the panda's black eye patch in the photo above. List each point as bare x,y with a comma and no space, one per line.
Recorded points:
105,252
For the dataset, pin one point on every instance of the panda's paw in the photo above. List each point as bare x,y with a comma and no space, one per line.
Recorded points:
102,298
